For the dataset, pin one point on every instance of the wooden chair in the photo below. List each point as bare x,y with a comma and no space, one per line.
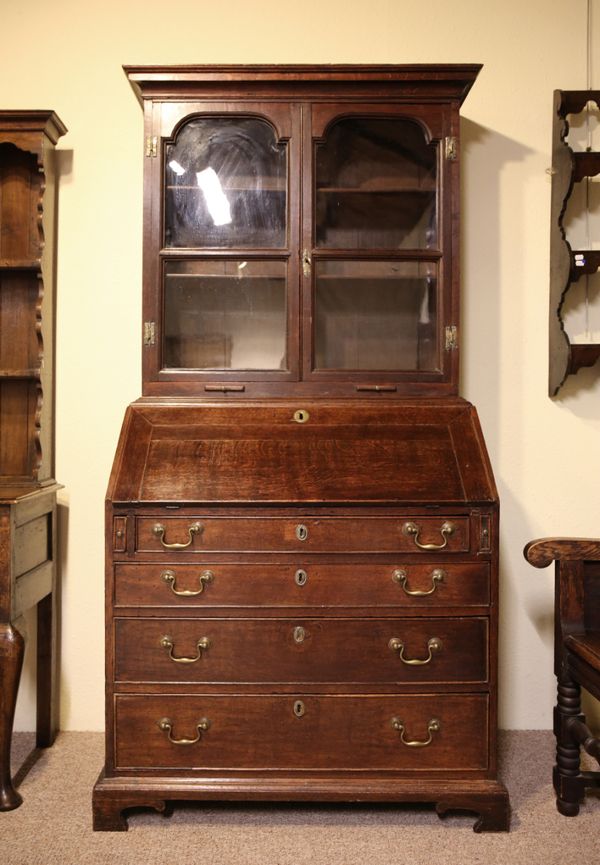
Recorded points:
576,658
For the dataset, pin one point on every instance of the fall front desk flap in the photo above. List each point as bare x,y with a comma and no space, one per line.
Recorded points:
406,453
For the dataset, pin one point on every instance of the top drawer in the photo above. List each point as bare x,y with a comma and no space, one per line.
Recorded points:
193,534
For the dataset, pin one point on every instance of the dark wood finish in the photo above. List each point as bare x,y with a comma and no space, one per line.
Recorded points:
413,453
260,583
576,658
302,593
335,534
300,650
27,488
300,103
566,265
334,733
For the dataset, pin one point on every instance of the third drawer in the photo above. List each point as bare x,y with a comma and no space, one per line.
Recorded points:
422,650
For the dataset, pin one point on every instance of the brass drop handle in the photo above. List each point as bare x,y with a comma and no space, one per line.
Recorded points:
401,577
413,529
159,531
166,725
434,726
433,645
201,646
204,577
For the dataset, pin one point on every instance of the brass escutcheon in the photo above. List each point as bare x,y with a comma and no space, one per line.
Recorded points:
299,634
301,415
300,577
301,532
299,708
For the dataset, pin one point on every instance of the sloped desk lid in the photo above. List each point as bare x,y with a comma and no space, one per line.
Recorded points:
245,453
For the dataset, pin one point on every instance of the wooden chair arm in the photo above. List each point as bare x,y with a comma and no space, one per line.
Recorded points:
543,551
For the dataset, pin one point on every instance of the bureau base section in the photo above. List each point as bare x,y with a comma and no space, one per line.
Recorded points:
113,796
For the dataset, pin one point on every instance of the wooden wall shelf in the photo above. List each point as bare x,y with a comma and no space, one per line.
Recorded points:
566,264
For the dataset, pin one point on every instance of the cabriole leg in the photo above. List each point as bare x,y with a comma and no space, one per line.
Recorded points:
12,648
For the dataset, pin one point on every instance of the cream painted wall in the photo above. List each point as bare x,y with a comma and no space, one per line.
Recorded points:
67,55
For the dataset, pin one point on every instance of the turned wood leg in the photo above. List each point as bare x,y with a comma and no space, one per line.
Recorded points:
47,678
12,649
567,781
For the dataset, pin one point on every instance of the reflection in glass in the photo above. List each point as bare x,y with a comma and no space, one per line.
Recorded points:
225,315
376,186
225,185
378,315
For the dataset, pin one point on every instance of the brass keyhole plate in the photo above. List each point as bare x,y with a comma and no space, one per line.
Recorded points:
301,532
301,577
301,415
299,708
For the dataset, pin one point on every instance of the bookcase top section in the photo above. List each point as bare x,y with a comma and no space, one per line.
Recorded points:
256,453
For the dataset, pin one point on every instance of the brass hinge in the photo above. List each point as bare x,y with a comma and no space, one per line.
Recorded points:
151,145
149,333
451,147
451,338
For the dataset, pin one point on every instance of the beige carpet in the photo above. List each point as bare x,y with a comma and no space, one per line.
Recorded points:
53,826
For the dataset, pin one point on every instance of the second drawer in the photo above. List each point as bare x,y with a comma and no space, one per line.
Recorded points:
304,584
424,650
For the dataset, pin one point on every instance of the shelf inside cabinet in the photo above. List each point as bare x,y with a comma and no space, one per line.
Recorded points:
20,373
20,264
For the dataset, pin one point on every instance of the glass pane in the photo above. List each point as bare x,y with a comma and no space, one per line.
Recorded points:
225,315
225,185
377,315
376,186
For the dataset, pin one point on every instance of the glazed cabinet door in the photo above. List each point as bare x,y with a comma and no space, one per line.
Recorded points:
223,222
377,244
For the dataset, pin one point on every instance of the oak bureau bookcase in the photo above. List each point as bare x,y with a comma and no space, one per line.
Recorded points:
302,521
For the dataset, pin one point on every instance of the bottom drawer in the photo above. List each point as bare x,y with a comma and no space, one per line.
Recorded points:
412,732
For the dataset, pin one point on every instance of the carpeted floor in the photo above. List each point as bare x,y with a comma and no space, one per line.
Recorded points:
53,826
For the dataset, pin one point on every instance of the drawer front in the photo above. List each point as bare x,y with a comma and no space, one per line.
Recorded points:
303,584
418,650
303,534
416,732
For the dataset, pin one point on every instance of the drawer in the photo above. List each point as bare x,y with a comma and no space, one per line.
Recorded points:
418,650
302,584
421,732
193,534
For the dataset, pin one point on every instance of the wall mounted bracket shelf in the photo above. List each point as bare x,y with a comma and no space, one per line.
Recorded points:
567,265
